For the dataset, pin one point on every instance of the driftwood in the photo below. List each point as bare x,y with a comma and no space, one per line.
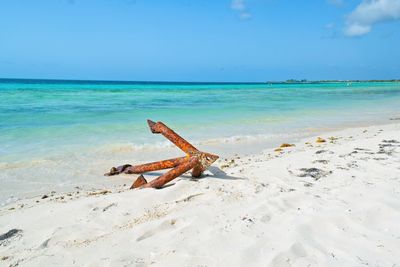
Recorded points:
194,160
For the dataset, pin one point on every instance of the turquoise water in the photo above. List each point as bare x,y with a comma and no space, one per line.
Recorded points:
63,122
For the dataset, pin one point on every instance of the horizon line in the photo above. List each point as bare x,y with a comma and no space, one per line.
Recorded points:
200,82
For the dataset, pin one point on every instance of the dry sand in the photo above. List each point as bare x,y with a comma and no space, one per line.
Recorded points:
335,203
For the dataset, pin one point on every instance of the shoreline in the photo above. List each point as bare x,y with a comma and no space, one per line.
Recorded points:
70,134
329,203
244,146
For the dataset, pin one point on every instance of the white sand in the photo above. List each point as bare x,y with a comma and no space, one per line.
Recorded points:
264,211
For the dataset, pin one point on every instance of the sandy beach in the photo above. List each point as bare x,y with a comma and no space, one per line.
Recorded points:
334,203
267,133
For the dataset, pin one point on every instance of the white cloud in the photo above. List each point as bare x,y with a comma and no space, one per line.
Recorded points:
241,8
238,5
370,12
356,29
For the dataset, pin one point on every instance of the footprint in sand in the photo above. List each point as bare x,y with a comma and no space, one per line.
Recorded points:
290,256
166,225
266,218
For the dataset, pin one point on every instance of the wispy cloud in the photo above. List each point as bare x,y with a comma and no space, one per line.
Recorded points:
330,25
368,13
330,31
240,7
337,3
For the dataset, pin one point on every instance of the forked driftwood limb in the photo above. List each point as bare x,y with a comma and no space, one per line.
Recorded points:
195,160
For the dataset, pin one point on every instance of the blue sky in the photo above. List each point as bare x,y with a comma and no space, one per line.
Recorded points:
200,40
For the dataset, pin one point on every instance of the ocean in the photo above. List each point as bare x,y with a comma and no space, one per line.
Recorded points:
56,135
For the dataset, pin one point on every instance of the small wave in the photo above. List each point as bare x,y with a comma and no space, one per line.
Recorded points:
129,147
99,154
234,139
24,164
159,146
240,139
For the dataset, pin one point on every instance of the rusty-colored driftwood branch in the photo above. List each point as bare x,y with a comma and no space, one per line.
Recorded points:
195,160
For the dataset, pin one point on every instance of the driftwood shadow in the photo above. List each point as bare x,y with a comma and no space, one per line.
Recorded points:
215,171
220,174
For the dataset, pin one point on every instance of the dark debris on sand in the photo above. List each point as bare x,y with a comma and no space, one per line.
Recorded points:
314,173
387,147
13,233
324,151
391,141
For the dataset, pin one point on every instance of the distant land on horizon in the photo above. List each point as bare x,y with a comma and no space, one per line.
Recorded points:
289,81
